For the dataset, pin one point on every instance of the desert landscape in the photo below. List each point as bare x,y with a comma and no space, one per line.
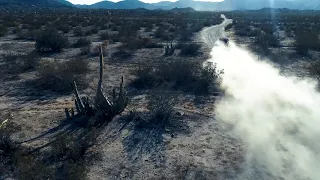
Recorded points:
148,94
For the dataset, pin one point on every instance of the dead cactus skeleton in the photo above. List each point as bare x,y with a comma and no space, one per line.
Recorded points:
102,105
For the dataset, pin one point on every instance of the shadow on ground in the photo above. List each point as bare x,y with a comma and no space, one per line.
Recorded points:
148,138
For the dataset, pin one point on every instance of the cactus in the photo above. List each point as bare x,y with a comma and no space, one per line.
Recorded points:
102,105
169,49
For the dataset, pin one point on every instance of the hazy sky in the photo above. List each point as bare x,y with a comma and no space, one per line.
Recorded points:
95,1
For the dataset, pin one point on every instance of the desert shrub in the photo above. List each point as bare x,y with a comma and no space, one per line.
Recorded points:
69,147
27,35
88,32
113,27
186,35
160,105
65,147
209,79
160,33
133,43
7,145
64,28
58,76
153,45
86,50
20,63
103,26
82,42
265,40
242,29
314,69
145,76
127,31
306,41
149,27
122,53
189,49
196,27
186,76
96,51
51,41
78,31
104,36
228,27
28,166
94,30
3,30
72,170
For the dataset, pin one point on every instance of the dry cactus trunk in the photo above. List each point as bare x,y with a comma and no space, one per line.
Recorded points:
102,105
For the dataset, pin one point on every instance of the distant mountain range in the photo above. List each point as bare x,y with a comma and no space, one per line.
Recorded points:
209,6
46,3
197,5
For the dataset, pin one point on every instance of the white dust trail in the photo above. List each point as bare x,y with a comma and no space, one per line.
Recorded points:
277,117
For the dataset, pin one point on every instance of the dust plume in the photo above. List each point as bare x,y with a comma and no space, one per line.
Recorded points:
277,117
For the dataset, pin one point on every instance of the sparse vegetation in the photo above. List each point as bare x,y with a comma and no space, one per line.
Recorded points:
3,30
59,76
189,49
104,36
78,31
21,63
161,106
86,50
161,59
82,42
306,41
50,40
191,77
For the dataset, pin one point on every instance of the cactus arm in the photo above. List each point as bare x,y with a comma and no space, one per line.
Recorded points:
79,103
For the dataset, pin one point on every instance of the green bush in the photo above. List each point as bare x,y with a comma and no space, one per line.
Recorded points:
51,41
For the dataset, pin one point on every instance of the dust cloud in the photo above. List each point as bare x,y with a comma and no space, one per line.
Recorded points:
277,117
